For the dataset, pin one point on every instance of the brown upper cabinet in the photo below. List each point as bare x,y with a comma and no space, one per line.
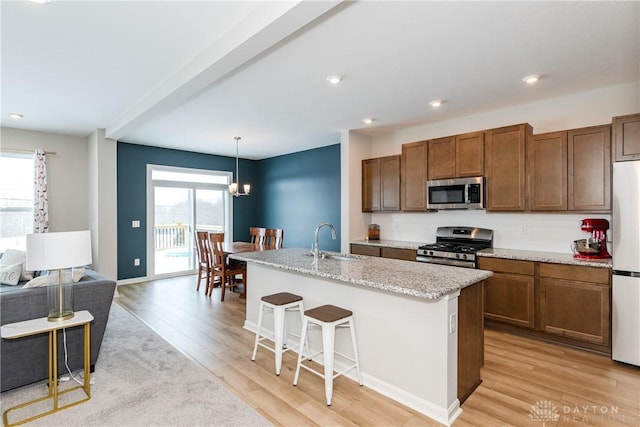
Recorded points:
381,184
456,156
414,176
589,169
442,158
626,137
505,167
371,185
570,170
547,170
470,154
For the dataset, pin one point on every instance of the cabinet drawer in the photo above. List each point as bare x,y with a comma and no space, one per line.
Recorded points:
365,250
506,265
573,272
397,253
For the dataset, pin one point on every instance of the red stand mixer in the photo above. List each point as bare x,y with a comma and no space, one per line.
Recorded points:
595,246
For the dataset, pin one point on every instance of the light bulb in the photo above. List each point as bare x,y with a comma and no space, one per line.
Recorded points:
531,79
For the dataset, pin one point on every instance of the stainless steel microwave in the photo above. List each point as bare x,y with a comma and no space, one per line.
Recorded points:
456,193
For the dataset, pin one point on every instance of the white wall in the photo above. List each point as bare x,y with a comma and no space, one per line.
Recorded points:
67,175
528,231
103,203
592,108
353,148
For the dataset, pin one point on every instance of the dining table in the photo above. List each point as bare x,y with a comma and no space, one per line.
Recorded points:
240,247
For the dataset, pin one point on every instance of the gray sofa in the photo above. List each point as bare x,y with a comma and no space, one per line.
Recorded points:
24,360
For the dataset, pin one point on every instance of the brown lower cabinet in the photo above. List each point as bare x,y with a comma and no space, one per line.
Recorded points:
470,340
509,293
564,303
365,250
385,252
575,302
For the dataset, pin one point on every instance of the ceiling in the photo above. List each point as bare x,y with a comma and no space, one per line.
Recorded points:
192,75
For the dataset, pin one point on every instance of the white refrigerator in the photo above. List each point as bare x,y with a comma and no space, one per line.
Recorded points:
625,327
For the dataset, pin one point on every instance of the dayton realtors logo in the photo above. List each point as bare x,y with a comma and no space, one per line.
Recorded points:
544,411
547,411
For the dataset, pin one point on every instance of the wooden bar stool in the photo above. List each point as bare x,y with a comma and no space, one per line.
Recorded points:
279,303
328,317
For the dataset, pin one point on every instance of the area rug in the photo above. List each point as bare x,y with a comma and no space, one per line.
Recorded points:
141,380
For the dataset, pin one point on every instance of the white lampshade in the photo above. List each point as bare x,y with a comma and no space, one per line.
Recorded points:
54,251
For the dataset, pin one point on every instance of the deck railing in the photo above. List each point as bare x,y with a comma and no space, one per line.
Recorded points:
171,236
176,236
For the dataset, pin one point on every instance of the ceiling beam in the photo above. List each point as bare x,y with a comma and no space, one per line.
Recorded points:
266,26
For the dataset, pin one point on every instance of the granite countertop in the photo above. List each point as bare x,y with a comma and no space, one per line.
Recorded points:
417,279
551,257
397,244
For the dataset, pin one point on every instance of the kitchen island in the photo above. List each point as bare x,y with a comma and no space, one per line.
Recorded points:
419,326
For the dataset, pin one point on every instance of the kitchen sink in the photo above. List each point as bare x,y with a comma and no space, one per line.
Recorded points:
340,257
335,256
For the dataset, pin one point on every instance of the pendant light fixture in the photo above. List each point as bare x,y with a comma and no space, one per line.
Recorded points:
233,187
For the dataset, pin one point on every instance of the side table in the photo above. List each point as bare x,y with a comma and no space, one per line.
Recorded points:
40,326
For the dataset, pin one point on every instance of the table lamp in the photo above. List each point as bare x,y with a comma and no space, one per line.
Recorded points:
56,252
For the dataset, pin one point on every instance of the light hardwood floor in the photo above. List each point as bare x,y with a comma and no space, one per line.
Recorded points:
519,375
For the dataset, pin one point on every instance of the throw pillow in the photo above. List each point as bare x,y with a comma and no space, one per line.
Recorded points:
10,274
14,256
44,279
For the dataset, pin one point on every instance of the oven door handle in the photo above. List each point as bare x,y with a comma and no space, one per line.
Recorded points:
446,261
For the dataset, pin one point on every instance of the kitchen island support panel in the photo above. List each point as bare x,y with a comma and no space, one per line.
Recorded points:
408,346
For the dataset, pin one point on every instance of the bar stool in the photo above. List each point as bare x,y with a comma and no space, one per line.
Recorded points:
279,303
328,317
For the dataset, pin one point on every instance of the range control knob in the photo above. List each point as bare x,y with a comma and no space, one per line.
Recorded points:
431,253
458,256
464,256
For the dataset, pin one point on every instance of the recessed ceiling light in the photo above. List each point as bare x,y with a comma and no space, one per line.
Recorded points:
436,103
531,79
16,115
41,1
368,120
335,79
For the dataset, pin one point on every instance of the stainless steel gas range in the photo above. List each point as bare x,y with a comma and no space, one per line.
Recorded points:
456,246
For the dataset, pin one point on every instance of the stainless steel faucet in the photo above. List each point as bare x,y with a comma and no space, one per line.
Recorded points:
316,248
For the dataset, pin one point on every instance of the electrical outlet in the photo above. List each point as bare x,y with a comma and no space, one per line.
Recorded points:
452,323
136,262
135,224
524,230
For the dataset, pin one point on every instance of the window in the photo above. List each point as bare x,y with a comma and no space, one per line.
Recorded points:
16,200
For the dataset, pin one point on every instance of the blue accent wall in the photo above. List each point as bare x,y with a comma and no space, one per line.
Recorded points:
132,197
300,191
295,192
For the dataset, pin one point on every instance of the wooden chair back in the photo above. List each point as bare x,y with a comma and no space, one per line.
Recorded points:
216,242
204,265
274,238
258,235
227,272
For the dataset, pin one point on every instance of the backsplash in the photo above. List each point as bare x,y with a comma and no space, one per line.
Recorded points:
547,232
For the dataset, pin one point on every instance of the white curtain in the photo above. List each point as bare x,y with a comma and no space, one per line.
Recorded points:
40,200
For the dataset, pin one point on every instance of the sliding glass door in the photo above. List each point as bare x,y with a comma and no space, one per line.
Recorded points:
171,230
181,201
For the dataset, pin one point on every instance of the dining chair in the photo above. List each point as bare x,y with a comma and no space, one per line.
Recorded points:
274,238
204,266
221,267
258,235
